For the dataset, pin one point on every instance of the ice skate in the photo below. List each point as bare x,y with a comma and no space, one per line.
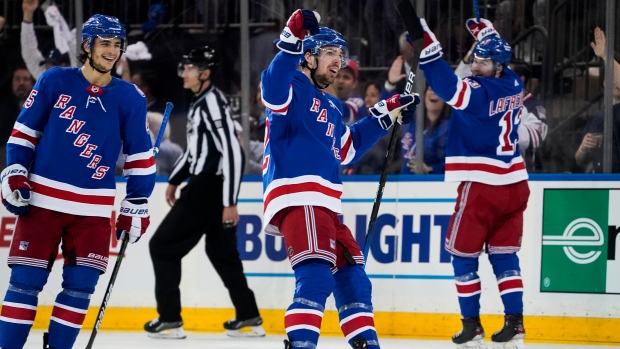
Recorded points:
359,343
165,330
246,328
287,344
511,335
471,336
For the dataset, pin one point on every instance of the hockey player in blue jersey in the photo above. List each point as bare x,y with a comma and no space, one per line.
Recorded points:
82,116
306,142
482,153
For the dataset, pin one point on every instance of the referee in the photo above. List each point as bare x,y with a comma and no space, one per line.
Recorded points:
213,162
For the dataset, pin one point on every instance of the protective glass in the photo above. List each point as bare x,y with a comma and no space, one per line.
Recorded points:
332,52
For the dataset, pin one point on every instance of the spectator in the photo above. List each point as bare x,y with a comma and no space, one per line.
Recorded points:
258,119
436,114
373,161
533,126
589,155
148,82
34,59
395,82
344,88
10,105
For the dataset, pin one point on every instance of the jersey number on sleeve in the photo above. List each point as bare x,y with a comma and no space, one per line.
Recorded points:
506,145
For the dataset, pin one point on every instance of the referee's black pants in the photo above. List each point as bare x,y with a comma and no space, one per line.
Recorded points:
198,212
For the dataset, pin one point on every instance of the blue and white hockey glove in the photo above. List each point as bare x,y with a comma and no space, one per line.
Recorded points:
15,189
133,219
431,48
389,110
292,36
481,29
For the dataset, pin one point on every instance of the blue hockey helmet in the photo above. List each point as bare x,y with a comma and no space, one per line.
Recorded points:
496,49
103,27
327,37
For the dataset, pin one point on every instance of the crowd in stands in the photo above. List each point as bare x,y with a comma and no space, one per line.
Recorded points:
154,52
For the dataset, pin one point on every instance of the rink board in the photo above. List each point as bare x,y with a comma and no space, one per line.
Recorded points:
413,289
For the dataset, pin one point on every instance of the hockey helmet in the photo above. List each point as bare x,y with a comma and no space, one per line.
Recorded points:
103,27
203,57
496,49
327,37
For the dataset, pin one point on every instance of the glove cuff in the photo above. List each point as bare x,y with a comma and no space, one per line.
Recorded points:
13,170
289,42
135,208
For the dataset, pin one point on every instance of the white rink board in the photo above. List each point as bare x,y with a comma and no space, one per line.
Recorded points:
401,282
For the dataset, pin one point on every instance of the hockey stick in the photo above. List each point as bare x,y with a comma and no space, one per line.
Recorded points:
476,10
412,24
125,238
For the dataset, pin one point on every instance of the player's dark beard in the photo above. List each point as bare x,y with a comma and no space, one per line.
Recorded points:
98,67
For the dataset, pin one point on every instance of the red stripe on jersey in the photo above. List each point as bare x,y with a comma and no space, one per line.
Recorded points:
505,285
299,188
459,101
68,315
18,313
484,168
282,110
142,163
357,323
71,196
345,147
18,134
468,288
296,319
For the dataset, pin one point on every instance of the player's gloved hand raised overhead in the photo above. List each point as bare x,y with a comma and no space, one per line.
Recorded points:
481,29
133,218
15,189
431,48
389,110
291,37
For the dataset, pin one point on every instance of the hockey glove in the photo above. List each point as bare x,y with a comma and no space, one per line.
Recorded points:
133,219
481,29
15,189
431,48
388,110
407,115
291,37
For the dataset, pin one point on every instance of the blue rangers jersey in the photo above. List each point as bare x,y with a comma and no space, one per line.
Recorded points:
69,134
306,141
482,141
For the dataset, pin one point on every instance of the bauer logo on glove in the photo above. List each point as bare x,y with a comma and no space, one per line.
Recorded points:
389,110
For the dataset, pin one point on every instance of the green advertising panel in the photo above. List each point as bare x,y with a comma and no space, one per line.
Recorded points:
574,242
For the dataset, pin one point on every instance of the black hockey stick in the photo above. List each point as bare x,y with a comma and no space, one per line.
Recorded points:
412,24
125,239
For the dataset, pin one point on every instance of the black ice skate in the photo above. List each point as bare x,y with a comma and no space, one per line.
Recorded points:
511,335
359,343
287,344
165,330
245,328
471,336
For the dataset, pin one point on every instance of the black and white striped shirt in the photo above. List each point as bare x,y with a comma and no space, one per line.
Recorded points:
212,145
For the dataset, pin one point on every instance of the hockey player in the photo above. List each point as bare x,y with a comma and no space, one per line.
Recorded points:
483,153
213,162
84,115
305,145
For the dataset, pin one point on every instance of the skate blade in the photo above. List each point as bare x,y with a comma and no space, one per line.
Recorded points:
475,344
249,331
513,344
176,333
